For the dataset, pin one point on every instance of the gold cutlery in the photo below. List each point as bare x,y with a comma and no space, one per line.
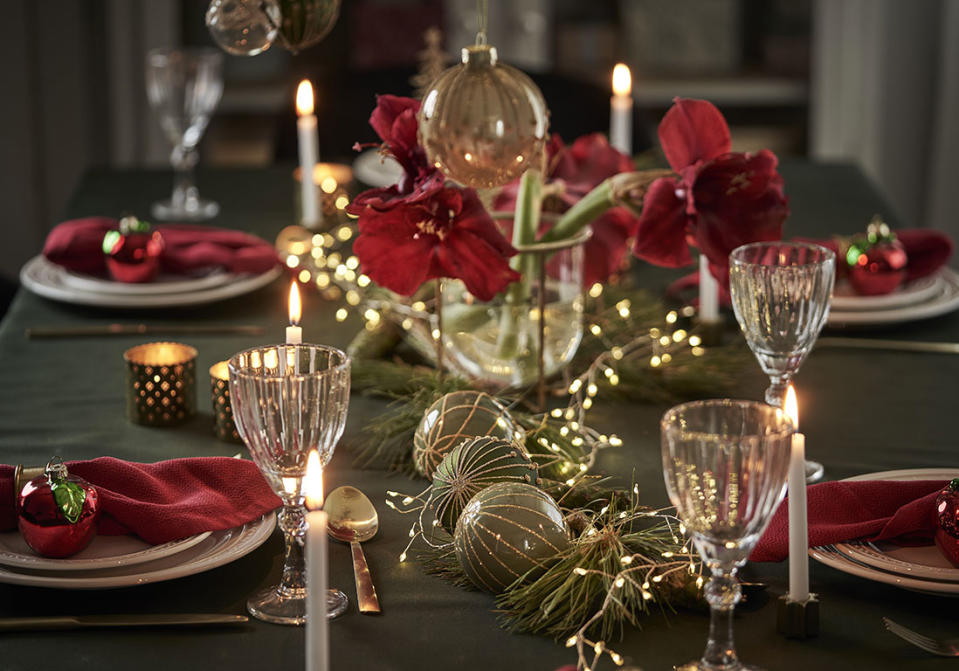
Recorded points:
48,623
891,345
47,332
353,520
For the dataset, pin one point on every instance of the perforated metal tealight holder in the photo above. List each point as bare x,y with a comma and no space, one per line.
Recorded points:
161,383
223,425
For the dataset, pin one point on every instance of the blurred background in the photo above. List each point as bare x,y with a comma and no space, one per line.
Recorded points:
871,82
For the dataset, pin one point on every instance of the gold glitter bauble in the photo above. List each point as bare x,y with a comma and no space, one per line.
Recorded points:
483,123
454,418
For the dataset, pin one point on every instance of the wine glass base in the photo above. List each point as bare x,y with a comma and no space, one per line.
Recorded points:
699,665
814,471
198,210
281,606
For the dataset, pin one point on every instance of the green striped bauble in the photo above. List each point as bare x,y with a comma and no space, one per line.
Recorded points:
471,466
452,419
507,530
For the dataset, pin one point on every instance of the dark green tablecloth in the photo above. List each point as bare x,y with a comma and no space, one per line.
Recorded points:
862,411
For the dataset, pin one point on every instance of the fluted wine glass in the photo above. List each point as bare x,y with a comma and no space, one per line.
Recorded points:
184,87
781,293
725,464
287,401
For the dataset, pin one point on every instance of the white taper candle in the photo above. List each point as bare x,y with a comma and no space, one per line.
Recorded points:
306,132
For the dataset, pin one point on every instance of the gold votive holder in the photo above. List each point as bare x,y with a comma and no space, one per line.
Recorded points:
161,383
330,181
223,425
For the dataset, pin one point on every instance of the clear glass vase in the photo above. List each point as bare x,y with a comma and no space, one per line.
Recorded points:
505,341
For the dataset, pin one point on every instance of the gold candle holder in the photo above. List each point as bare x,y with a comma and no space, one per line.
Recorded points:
223,425
161,383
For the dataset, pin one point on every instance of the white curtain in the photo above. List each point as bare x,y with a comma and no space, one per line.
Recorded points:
885,95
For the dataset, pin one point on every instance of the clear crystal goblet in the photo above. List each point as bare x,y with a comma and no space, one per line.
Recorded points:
725,464
287,401
184,87
781,293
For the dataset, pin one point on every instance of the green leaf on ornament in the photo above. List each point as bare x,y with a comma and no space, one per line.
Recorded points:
69,497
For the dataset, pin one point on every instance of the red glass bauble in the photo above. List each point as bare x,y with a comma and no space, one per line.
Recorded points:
57,512
133,251
880,269
947,521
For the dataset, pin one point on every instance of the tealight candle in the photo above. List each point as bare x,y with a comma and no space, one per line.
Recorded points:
224,428
294,333
317,549
306,132
161,383
798,533
621,110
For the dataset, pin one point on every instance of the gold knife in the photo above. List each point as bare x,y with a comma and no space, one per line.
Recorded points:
47,623
891,345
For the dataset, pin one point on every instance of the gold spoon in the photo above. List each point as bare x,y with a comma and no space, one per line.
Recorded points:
353,520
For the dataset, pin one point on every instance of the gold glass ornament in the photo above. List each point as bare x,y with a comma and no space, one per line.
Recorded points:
483,123
306,22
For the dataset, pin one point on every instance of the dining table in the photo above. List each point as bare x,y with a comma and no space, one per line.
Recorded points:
862,411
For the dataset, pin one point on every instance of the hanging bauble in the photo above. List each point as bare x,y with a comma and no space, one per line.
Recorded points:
507,530
243,27
133,251
947,521
57,512
877,260
454,418
306,22
483,123
471,467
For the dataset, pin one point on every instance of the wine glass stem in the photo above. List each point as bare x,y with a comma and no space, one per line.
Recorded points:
293,523
185,194
777,390
722,593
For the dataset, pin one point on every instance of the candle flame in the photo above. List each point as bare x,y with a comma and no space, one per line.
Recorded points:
296,308
313,482
791,406
622,80
304,98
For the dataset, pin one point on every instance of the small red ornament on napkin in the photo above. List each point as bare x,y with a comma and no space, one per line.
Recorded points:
876,261
947,521
133,251
58,512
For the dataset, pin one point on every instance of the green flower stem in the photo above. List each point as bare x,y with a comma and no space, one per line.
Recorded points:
525,225
588,208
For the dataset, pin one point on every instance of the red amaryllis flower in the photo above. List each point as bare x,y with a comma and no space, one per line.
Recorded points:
721,200
394,120
580,167
449,234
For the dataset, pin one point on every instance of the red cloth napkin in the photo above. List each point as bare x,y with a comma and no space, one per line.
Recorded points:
77,245
167,500
871,510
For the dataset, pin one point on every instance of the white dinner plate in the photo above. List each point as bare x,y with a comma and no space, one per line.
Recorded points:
217,549
47,279
943,301
844,298
372,168
102,552
918,568
164,284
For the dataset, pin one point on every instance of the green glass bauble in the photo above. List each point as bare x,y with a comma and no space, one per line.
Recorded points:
483,123
454,418
472,466
507,530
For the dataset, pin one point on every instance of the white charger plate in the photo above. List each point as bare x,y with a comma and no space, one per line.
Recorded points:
919,568
372,168
943,301
219,548
844,298
103,552
48,280
164,284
